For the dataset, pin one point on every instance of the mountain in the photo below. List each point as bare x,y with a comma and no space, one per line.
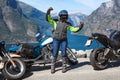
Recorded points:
20,22
76,17
106,16
38,17
14,25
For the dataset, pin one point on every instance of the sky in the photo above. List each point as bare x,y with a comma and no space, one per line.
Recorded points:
83,6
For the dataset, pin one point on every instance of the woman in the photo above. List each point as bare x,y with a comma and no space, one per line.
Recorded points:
60,36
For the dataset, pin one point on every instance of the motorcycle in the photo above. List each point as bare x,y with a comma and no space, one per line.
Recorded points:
100,57
11,68
41,52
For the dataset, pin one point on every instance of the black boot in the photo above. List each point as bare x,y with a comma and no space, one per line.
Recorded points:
64,64
53,60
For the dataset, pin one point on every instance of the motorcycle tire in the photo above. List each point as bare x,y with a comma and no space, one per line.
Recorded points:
9,72
97,59
72,59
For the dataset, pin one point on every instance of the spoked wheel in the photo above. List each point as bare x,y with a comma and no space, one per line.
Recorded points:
72,59
11,72
98,60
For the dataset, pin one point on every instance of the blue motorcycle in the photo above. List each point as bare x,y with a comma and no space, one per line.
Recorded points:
41,52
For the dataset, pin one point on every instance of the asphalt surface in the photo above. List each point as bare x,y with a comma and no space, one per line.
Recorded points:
82,71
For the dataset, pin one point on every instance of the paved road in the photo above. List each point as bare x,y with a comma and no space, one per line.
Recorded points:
82,71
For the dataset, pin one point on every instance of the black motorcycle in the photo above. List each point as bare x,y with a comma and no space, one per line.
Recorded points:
100,57
11,68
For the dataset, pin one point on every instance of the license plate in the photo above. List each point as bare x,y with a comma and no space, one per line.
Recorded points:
88,42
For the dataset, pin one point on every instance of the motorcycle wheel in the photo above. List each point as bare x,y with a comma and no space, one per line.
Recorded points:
72,59
9,72
97,59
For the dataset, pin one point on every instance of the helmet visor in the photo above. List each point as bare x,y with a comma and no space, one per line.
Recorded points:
64,16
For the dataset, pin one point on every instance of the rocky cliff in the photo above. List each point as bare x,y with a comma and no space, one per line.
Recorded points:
106,16
14,25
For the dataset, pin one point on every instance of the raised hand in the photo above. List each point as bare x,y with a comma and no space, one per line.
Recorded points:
50,9
82,23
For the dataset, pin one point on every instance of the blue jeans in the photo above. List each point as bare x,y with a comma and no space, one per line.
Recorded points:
62,44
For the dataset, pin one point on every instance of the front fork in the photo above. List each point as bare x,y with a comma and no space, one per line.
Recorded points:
1,63
106,52
10,59
109,53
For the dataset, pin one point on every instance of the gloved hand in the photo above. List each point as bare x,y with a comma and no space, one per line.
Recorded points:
81,25
50,8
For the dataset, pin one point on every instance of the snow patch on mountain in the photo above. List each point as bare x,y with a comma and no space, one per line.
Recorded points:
109,4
